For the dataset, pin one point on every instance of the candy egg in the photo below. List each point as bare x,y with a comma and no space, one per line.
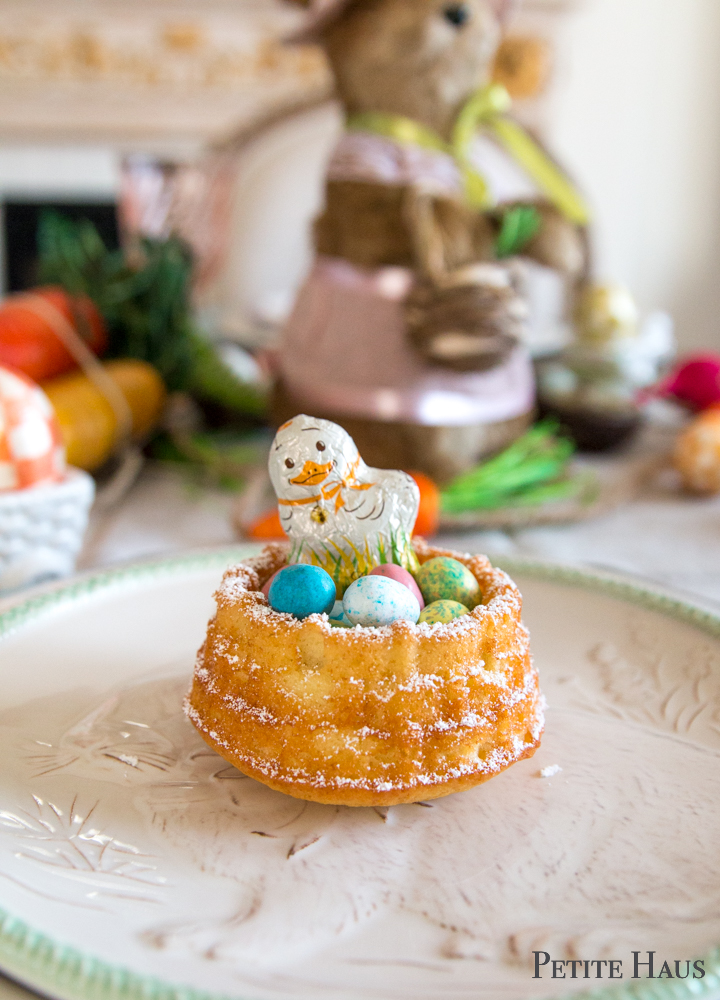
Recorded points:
377,601
31,449
443,612
337,616
302,590
697,454
445,579
394,572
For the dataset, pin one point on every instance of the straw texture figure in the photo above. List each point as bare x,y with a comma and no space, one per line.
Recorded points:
410,324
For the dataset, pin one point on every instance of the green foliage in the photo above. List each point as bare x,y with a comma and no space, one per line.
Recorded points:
146,305
219,458
532,470
519,224
347,563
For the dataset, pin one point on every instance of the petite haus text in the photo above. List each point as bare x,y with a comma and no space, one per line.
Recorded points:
645,965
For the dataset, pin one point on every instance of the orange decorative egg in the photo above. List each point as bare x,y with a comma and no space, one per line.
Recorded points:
697,454
522,65
31,449
428,518
267,526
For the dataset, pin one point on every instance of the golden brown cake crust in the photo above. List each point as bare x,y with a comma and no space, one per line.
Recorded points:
366,717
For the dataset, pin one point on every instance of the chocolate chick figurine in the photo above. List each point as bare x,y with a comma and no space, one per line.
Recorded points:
338,512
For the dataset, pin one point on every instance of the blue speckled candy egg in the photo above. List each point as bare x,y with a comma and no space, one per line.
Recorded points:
337,616
446,579
378,601
302,590
442,612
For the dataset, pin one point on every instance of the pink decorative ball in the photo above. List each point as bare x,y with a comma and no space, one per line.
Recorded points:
394,572
695,382
266,586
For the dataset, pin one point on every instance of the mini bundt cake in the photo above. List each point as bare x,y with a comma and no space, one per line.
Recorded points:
366,716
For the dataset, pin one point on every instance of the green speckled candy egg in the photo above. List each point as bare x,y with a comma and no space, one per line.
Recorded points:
446,579
442,611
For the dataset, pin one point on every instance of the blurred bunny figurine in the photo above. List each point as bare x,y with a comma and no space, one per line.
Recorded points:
409,327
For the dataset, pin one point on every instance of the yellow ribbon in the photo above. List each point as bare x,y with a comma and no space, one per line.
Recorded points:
486,109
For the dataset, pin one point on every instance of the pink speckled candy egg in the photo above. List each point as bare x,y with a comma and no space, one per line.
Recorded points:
395,572
266,586
31,449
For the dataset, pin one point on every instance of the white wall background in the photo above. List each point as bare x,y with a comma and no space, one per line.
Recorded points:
636,117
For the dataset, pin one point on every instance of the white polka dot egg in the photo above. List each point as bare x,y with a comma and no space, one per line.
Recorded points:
31,450
375,601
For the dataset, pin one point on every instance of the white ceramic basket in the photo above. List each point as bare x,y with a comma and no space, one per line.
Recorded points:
42,529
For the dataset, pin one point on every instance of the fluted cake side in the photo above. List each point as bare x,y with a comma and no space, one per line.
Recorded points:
366,716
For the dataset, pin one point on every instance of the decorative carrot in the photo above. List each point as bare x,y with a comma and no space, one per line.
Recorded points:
514,476
31,335
266,527
428,517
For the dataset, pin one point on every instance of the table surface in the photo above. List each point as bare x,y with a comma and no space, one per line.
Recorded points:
662,537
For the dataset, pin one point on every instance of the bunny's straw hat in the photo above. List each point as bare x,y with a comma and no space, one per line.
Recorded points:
322,13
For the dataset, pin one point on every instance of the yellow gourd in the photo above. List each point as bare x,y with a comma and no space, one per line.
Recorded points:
88,422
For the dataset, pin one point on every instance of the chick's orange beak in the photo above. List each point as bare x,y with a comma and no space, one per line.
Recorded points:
312,474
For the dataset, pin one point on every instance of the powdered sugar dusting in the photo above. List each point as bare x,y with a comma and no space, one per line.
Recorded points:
550,771
501,600
394,721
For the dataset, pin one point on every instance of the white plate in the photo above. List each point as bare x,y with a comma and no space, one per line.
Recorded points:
125,843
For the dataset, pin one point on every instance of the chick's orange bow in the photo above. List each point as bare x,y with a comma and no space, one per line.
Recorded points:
314,474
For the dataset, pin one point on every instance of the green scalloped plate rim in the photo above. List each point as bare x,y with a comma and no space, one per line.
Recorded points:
39,962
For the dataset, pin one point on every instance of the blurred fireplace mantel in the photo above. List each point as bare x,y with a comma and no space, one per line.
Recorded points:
166,77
